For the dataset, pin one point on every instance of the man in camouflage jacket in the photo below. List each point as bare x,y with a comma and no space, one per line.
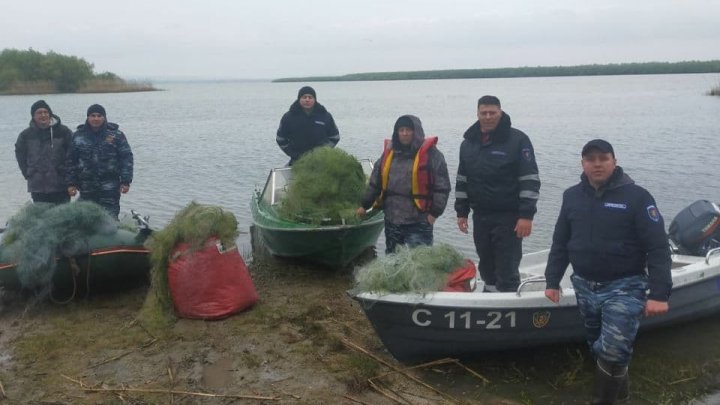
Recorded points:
100,163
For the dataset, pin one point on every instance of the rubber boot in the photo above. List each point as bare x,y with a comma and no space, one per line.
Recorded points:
623,396
608,380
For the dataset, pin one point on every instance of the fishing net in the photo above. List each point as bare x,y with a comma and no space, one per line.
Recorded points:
192,225
39,232
326,188
420,269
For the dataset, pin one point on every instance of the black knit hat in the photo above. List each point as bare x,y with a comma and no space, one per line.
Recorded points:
306,90
598,144
96,108
38,105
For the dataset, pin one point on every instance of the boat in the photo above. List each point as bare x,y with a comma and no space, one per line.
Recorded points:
334,246
415,327
111,261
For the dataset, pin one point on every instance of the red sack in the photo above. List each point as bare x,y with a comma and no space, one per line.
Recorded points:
209,283
460,279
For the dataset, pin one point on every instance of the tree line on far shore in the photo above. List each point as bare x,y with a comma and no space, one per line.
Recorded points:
646,68
32,72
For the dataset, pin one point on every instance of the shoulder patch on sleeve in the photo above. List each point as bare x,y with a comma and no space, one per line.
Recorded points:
653,213
527,154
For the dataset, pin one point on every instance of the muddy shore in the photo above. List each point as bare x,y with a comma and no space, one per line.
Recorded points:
304,342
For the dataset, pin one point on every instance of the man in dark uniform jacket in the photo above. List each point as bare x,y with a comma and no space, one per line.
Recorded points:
610,230
498,180
307,125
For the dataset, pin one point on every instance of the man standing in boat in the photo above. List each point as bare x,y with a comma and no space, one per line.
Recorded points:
307,125
41,151
100,164
498,180
610,230
410,182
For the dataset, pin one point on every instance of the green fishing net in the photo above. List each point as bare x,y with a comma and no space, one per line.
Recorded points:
420,269
39,232
326,188
194,224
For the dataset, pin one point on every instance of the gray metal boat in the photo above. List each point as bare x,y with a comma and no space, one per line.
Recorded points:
417,327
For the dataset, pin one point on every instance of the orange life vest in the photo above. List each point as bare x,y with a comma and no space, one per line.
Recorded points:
421,176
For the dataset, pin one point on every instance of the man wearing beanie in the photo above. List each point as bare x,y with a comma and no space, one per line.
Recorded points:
307,125
410,182
41,151
100,164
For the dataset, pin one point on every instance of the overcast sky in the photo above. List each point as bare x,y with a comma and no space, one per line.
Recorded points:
271,39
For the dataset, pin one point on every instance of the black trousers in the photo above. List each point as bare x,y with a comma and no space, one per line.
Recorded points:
55,198
499,249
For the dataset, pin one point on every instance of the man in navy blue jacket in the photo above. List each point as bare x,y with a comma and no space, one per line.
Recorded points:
610,230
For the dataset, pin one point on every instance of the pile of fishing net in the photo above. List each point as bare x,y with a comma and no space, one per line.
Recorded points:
185,258
420,269
39,232
326,188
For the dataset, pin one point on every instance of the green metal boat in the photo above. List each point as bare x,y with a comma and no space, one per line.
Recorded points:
111,262
330,245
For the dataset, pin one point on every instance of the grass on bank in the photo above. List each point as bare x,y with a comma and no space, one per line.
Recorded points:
91,86
306,311
115,86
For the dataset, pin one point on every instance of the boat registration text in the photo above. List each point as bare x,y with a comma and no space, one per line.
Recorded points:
465,320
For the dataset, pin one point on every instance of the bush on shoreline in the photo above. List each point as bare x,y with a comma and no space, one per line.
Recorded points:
32,72
715,91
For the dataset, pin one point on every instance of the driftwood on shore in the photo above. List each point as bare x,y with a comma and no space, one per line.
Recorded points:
397,397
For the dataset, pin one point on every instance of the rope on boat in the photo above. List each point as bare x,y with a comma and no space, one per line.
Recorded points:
74,271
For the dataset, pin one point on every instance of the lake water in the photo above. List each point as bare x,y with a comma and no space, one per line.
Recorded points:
215,143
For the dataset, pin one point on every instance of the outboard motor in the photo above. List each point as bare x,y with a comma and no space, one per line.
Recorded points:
696,229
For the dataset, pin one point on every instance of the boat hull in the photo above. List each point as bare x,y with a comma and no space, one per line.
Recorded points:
415,332
463,325
112,261
333,245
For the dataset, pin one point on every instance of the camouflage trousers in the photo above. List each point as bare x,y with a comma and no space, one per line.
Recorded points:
611,311
412,235
110,200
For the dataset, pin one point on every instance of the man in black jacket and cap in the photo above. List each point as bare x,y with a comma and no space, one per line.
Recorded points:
307,125
611,231
41,150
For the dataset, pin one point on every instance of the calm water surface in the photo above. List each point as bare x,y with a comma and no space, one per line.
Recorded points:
215,142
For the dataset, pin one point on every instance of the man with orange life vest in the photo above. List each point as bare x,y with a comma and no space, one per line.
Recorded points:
410,182
498,179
